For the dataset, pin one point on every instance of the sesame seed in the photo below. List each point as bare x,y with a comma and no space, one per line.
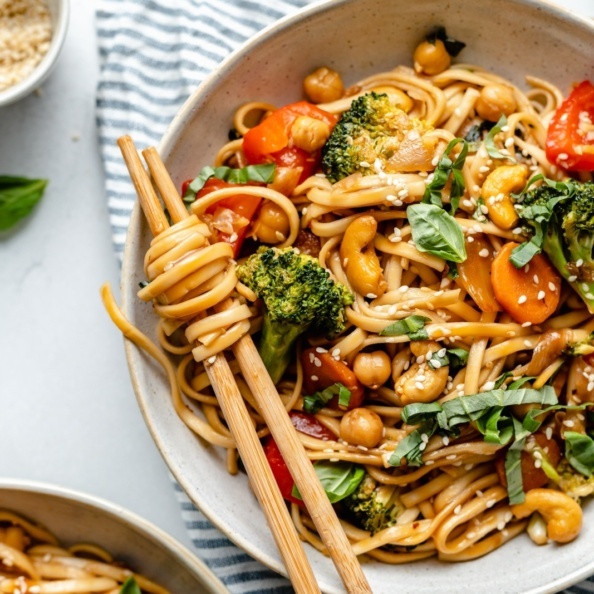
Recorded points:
549,432
537,463
522,299
568,423
314,378
484,253
419,386
535,279
552,286
579,262
446,440
501,526
526,324
541,294
457,509
317,362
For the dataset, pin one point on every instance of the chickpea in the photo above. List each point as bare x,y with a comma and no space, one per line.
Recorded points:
397,97
272,225
431,58
495,100
309,134
323,86
372,369
361,426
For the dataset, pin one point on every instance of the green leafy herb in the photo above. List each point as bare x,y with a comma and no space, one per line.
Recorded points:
411,447
455,358
453,46
250,173
412,326
130,587
478,214
490,146
436,232
18,197
339,479
579,451
312,404
445,169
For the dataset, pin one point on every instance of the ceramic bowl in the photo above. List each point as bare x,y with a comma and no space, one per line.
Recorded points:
74,517
357,38
60,14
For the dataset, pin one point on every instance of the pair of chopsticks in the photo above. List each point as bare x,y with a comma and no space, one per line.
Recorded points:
271,409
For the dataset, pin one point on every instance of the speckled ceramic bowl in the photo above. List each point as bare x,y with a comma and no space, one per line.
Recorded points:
357,38
75,517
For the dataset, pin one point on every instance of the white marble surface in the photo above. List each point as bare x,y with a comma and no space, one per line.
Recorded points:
68,412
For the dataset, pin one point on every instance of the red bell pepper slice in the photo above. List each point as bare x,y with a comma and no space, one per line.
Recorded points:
270,140
570,137
305,423
243,205
322,370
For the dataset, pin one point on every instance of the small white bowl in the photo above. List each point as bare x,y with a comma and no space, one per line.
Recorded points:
60,13
74,517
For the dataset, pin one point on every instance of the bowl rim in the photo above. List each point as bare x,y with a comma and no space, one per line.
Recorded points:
47,63
122,515
165,148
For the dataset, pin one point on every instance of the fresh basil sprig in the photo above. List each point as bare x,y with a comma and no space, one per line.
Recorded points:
315,402
339,479
436,232
251,173
18,197
130,586
412,326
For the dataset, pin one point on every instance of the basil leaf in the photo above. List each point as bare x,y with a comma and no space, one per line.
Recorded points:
412,326
469,408
339,479
315,402
446,168
415,413
455,358
250,173
130,587
18,197
436,232
521,255
496,427
453,46
513,472
411,447
492,150
579,451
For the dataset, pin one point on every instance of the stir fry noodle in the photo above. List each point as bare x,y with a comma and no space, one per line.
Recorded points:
442,388
33,560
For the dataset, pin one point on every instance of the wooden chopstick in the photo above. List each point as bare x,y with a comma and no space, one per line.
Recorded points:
230,399
272,409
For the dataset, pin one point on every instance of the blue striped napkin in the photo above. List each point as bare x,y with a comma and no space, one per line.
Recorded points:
154,53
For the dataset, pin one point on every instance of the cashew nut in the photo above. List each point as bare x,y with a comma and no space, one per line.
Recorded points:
309,134
562,514
421,383
496,190
358,256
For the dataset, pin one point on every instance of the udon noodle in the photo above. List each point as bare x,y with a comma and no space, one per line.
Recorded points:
33,560
453,504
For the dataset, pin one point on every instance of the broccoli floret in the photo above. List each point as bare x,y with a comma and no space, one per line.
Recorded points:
298,295
373,506
373,133
573,483
564,214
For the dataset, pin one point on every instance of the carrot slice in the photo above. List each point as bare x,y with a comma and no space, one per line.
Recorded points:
474,274
528,294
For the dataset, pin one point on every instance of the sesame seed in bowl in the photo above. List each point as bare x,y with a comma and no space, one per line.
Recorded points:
32,33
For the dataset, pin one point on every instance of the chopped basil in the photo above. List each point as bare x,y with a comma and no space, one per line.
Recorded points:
18,197
411,447
339,479
436,232
250,173
130,587
445,169
492,150
455,358
315,402
412,326
579,451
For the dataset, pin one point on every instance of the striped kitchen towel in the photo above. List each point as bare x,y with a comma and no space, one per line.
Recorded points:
154,53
